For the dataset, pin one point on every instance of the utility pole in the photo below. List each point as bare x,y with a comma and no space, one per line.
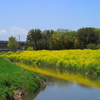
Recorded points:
19,38
19,41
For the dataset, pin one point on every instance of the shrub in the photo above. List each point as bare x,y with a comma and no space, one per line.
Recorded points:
91,46
30,48
98,46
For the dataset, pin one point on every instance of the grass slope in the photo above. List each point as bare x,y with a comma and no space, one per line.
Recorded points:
13,77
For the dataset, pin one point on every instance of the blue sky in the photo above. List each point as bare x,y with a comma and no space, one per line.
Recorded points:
17,17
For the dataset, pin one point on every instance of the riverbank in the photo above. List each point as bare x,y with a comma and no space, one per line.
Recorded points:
69,75
87,61
16,82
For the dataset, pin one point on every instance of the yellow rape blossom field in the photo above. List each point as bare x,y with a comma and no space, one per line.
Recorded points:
87,61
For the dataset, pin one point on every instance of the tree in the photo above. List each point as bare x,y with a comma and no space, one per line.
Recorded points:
76,43
55,41
34,36
97,46
87,36
45,41
12,43
29,44
97,31
69,39
38,39
61,31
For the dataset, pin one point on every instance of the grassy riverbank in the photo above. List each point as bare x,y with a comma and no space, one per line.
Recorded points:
15,78
87,61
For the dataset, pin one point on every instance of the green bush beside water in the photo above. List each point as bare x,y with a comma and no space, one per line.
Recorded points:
13,77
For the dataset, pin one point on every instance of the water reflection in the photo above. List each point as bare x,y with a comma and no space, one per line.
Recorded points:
65,85
81,79
53,88
31,96
84,86
57,81
60,89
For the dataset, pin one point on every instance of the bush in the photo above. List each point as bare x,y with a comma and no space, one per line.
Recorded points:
91,46
30,48
98,46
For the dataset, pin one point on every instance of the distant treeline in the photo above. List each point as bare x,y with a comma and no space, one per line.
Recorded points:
83,38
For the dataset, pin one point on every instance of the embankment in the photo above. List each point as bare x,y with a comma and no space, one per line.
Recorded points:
16,82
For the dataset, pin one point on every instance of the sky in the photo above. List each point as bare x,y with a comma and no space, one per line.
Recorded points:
17,17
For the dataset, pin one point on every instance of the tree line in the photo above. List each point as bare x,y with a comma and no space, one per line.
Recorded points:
83,38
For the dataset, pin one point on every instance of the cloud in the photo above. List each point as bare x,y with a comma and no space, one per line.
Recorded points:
17,30
3,32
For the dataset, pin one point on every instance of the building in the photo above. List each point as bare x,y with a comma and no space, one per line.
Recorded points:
3,45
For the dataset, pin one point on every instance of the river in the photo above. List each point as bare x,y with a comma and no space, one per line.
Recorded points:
67,85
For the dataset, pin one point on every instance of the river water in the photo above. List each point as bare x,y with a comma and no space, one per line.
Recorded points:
67,85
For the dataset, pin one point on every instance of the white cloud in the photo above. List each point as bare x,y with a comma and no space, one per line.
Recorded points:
17,30
3,32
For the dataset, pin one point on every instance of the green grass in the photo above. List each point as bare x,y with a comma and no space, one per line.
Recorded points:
13,77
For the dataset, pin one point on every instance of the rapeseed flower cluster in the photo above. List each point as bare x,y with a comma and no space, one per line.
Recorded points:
84,60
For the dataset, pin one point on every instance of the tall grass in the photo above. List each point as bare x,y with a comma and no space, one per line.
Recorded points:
13,77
